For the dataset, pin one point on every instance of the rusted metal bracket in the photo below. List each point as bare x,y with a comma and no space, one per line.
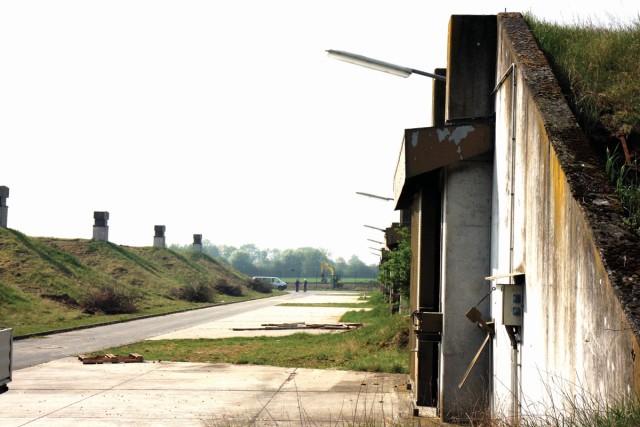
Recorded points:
476,317
427,325
427,322
625,148
488,327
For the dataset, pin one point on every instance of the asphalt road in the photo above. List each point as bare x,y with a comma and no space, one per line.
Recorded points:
33,351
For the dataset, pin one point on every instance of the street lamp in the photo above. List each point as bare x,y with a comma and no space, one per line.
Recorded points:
375,64
374,196
376,228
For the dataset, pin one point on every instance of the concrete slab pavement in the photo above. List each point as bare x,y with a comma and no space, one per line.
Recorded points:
276,314
66,392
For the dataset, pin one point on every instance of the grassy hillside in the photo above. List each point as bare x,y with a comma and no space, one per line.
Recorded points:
48,283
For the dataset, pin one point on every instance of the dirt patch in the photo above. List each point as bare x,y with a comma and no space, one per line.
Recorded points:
63,299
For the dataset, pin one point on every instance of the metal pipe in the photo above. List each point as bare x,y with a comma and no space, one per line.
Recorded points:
504,77
515,352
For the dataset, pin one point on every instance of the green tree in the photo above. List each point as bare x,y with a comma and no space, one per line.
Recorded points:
257,256
241,261
395,270
311,258
210,249
341,266
358,269
300,262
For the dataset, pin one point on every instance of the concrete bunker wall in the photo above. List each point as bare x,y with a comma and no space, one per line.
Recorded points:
559,228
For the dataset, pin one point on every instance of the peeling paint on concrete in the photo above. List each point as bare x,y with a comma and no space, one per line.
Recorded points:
443,133
414,139
458,134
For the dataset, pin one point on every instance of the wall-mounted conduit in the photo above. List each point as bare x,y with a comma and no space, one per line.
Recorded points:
515,354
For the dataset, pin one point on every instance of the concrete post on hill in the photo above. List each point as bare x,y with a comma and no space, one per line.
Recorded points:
197,243
4,209
158,238
100,226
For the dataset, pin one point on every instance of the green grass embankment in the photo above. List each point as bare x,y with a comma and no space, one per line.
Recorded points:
51,284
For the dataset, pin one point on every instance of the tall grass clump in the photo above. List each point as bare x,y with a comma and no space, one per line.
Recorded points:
224,287
626,181
196,291
591,412
111,299
573,407
260,286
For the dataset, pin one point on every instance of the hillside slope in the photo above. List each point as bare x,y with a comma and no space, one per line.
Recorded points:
48,283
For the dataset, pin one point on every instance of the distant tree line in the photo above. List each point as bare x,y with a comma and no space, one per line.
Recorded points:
300,262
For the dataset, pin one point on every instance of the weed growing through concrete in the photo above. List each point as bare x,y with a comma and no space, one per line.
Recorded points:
363,410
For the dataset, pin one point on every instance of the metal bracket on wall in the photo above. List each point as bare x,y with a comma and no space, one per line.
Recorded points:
475,316
427,325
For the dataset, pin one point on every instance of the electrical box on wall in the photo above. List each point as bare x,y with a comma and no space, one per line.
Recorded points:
512,305
512,297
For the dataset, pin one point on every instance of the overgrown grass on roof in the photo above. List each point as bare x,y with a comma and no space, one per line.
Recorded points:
597,67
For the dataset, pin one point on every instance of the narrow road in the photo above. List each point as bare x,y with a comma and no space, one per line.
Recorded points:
33,351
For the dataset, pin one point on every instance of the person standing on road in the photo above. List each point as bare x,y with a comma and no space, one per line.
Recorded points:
297,285
305,285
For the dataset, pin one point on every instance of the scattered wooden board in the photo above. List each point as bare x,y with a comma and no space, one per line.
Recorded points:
286,326
110,358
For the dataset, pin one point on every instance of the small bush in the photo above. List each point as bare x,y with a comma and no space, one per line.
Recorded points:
195,292
111,300
259,286
227,288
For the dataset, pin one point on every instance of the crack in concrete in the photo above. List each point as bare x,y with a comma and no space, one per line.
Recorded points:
290,378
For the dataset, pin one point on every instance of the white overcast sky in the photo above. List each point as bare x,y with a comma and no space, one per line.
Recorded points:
221,118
